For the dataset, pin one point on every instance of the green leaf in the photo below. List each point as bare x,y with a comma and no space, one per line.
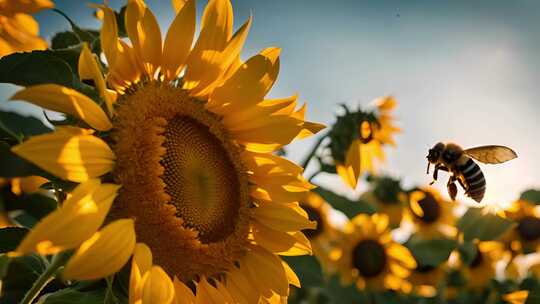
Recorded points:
307,268
13,166
68,296
467,252
485,227
35,204
84,35
431,252
22,273
344,294
531,195
64,40
348,207
19,127
36,67
10,237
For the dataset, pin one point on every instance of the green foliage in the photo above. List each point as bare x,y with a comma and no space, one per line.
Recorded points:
343,204
64,40
467,252
33,206
10,237
21,274
68,296
484,227
431,252
307,268
18,127
531,195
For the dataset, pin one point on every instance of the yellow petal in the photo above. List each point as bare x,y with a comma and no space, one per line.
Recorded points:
69,153
354,160
109,35
516,297
240,288
183,294
250,83
58,98
282,243
266,271
104,253
347,175
158,287
73,223
208,294
206,67
141,263
178,40
282,217
291,275
402,255
145,35
89,69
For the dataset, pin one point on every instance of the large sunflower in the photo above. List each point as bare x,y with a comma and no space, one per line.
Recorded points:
187,134
431,215
18,30
370,258
357,139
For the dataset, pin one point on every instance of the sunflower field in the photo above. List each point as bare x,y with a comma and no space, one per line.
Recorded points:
160,171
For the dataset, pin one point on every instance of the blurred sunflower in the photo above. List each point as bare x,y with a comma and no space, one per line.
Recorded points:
370,258
388,197
516,297
431,215
17,186
323,237
19,31
357,139
425,279
525,237
481,270
188,135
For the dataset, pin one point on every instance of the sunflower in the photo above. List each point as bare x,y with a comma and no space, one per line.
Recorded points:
19,31
322,238
525,237
481,270
425,279
357,139
388,197
188,136
431,215
370,258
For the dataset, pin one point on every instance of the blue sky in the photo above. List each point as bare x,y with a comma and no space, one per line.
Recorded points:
462,71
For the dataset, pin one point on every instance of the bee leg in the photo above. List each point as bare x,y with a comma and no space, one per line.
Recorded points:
463,185
452,188
436,172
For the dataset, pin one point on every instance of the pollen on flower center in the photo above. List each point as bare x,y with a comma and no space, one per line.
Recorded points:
369,258
200,179
182,181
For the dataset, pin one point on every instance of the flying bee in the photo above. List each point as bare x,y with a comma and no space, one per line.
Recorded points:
462,168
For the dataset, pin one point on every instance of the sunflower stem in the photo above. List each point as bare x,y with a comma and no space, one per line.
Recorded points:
45,278
313,151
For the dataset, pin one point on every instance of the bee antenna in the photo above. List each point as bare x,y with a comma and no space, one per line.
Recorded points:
428,164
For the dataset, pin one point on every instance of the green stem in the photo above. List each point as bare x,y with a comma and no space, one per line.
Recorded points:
313,151
44,279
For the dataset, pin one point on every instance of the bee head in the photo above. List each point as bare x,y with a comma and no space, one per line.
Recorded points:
435,153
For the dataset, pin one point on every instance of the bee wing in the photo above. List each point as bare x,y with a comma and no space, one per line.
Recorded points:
491,154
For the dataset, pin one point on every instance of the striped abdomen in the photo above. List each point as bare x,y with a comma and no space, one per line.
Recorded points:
473,179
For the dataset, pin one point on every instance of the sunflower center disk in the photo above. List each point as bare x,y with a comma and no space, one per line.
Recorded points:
529,228
369,257
200,179
313,215
431,209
